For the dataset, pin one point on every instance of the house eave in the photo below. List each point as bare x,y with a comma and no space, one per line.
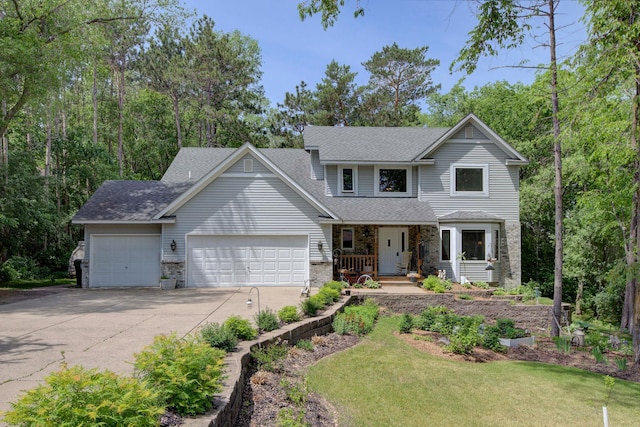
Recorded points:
124,222
516,162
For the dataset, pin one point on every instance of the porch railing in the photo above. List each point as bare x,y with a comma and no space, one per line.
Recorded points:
363,264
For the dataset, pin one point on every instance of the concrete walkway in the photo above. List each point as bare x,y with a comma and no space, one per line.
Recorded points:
100,328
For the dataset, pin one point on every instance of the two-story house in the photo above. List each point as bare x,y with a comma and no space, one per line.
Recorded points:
354,197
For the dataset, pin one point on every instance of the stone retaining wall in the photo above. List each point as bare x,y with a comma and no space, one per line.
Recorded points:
228,403
536,318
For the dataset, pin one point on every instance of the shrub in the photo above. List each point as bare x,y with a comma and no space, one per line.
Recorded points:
499,291
312,305
507,329
241,328
334,284
430,282
356,319
328,295
288,314
406,323
270,358
186,371
491,339
372,284
21,268
305,345
438,288
267,320
296,392
481,285
466,337
219,336
76,396
465,297
287,417
428,317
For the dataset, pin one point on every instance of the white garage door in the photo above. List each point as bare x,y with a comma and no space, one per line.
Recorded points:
247,261
124,261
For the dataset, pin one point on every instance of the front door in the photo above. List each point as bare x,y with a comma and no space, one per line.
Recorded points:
392,241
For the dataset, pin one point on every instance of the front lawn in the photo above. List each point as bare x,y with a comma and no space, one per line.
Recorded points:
31,284
385,382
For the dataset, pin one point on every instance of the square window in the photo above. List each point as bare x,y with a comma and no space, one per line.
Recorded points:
469,179
348,243
393,180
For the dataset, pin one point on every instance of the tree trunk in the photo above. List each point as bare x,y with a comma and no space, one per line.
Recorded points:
579,296
120,89
557,151
634,240
94,96
47,156
176,113
4,148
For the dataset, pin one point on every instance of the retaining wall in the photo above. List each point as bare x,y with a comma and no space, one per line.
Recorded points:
228,403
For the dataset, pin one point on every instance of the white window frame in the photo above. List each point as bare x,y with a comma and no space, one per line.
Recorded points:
485,180
452,234
409,172
354,176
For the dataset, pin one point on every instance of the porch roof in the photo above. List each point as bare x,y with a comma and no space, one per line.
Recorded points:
469,216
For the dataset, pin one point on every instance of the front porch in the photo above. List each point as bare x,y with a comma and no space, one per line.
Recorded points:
378,250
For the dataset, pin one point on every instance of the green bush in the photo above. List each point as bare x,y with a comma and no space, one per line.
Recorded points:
466,337
312,305
22,267
269,358
296,392
328,295
430,282
465,297
439,288
287,417
428,317
334,284
241,328
267,320
305,345
219,336
76,396
186,371
481,285
372,284
499,292
406,323
491,339
289,314
507,329
356,319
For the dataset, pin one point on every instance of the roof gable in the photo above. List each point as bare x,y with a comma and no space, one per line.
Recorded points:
235,156
515,158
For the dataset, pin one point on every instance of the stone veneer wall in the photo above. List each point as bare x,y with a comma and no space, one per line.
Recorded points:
320,273
511,246
174,270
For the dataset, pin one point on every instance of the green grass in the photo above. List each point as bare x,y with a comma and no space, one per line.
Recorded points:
540,301
385,382
41,283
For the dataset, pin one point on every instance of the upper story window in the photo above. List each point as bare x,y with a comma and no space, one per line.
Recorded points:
393,181
348,176
470,180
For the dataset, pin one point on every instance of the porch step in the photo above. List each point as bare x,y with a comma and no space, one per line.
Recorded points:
396,281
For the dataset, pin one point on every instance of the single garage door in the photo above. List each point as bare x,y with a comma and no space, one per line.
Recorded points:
124,261
247,261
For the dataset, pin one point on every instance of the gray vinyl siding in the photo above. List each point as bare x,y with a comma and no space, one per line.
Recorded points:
332,180
238,167
247,206
365,181
317,171
503,198
477,135
121,229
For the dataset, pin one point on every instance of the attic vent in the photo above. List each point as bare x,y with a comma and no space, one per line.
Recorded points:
248,165
468,132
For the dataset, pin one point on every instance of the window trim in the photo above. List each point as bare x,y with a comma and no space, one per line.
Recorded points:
353,239
449,231
485,180
376,185
354,177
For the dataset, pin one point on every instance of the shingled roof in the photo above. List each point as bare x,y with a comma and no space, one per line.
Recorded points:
369,144
123,201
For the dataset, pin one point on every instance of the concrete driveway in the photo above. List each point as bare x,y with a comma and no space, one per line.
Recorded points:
100,328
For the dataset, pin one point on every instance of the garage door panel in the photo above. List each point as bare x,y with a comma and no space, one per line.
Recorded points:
248,260
126,260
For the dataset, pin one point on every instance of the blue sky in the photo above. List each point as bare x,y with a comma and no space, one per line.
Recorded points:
293,50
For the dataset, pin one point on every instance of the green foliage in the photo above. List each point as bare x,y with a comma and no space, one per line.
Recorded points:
312,305
429,315
296,392
305,345
507,329
328,295
499,292
480,284
430,282
219,336
406,324
356,319
76,396
466,336
621,363
186,371
334,284
491,339
465,297
287,417
270,357
598,355
608,303
288,314
241,328
20,268
267,320
563,344
372,284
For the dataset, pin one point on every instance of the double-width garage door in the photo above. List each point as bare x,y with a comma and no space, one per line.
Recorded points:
247,261
124,261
